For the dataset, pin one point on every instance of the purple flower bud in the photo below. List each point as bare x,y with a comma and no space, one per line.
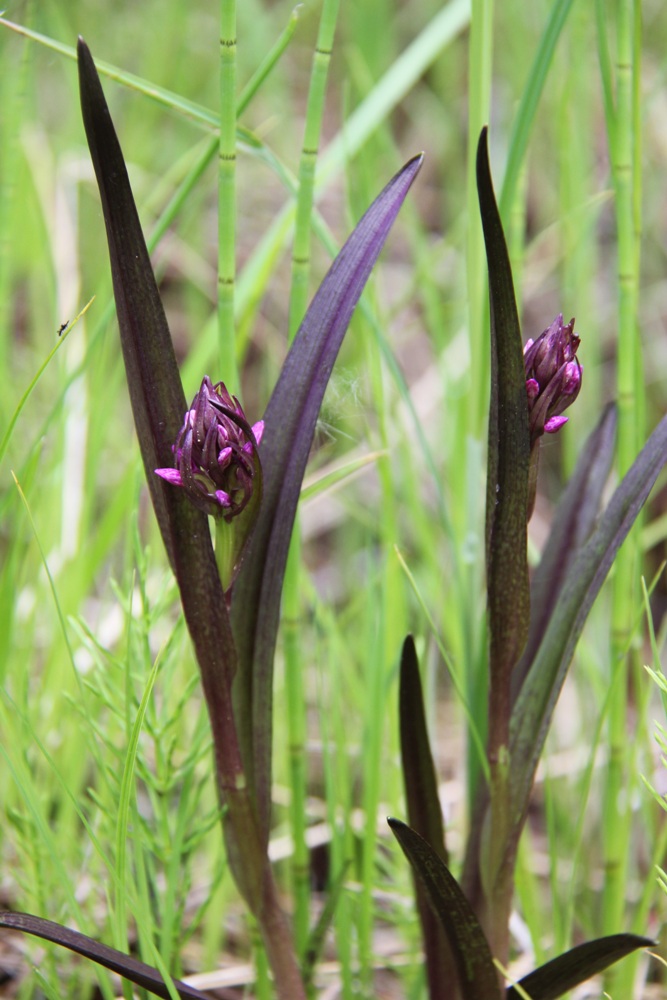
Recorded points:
216,458
553,377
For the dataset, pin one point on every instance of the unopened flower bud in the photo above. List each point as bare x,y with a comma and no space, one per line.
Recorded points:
553,377
216,458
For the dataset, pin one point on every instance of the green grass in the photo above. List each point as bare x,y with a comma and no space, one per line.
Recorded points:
109,811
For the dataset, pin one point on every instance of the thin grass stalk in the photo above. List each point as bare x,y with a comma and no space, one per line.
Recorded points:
480,58
616,811
13,99
307,163
579,246
227,197
480,61
296,696
296,729
267,65
376,682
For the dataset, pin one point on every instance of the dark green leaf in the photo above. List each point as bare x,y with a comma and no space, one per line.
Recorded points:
534,706
130,968
478,979
289,426
508,457
572,524
424,814
576,966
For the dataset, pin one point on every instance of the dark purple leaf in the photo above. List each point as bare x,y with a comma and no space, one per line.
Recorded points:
159,406
508,458
424,815
158,402
561,974
534,707
477,976
289,425
130,968
572,524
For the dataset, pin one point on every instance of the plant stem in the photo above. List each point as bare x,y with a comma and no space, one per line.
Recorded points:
296,700
227,196
480,62
296,723
309,151
622,132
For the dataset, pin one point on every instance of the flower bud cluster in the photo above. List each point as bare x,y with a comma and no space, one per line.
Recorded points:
216,453
553,377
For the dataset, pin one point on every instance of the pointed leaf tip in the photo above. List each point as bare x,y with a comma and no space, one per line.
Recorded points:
477,975
290,420
130,968
582,962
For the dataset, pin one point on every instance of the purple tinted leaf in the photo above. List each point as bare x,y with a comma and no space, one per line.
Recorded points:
130,968
158,402
555,978
477,976
572,525
159,405
424,814
534,707
290,421
508,457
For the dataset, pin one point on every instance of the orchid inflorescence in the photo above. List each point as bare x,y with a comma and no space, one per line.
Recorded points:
216,453
553,377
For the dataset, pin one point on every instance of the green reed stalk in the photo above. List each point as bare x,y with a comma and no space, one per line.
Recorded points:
307,163
13,96
296,696
480,59
480,63
577,218
268,63
227,196
623,128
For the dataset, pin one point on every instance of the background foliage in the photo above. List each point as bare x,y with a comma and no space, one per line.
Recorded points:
87,606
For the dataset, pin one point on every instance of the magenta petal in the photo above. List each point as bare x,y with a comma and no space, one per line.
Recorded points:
172,476
554,424
258,431
532,388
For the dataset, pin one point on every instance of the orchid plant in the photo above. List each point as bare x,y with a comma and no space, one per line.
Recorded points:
533,628
208,460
